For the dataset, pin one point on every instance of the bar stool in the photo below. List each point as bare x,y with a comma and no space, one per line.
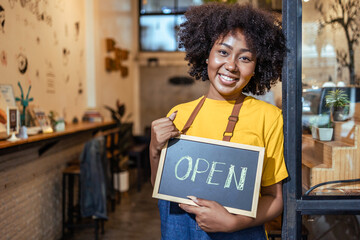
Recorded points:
71,202
71,207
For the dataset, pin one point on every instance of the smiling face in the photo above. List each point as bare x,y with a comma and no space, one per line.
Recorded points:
230,67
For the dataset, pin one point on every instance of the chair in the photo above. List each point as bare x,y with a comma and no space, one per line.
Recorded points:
90,175
136,148
111,142
139,152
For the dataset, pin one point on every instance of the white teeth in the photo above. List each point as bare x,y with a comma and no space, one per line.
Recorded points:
227,78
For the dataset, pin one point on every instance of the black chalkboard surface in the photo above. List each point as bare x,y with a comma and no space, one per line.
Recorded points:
225,172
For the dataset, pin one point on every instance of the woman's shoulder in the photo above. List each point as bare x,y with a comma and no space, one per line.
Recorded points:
262,107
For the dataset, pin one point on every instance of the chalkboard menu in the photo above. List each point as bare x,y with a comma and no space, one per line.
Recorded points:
225,172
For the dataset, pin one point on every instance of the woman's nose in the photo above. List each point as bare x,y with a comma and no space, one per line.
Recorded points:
231,65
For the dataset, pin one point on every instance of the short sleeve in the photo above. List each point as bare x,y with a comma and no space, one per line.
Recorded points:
274,169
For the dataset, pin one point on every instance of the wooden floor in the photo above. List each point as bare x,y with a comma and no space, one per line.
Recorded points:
136,218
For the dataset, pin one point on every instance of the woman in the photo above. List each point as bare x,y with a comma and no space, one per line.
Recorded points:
240,49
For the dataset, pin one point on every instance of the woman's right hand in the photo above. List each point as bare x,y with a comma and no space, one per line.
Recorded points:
161,131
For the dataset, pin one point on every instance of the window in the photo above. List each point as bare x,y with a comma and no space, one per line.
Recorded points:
331,99
159,21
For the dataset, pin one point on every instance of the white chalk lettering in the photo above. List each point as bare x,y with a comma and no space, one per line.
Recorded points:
196,167
211,174
240,185
202,166
188,170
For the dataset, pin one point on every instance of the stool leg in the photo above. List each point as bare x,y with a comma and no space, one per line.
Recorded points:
138,163
71,203
63,204
118,191
79,200
102,226
113,191
96,229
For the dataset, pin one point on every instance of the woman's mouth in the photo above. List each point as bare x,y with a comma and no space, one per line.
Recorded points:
227,79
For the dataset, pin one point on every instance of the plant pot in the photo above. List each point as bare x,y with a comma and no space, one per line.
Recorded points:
124,181
325,134
314,132
339,114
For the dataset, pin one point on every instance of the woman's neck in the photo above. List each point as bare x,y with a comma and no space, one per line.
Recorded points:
218,96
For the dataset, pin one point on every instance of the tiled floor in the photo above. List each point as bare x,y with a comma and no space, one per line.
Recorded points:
136,218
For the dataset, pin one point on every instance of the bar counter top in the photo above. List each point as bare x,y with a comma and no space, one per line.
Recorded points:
70,130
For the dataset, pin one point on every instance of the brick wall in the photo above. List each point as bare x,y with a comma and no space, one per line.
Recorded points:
31,190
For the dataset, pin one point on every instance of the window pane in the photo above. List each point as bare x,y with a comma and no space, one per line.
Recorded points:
157,33
184,4
331,227
157,6
179,19
326,73
167,6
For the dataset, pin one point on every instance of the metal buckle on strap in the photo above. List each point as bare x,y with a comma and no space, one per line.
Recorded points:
233,118
228,134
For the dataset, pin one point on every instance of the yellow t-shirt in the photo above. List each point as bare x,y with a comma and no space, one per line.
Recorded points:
259,124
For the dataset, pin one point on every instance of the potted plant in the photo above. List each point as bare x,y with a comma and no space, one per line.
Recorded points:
325,129
338,102
322,127
314,123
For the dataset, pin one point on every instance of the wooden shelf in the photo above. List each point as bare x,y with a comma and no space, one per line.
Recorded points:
316,153
330,161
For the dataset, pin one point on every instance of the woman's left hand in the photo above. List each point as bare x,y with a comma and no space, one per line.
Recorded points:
210,215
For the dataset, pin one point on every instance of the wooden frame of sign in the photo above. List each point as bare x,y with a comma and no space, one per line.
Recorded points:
225,172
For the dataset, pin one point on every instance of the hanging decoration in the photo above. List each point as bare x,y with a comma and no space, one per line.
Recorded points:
115,64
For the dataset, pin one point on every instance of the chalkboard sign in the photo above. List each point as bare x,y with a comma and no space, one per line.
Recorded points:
225,172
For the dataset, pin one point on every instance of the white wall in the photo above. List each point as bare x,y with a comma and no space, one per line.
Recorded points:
116,19
46,33
69,82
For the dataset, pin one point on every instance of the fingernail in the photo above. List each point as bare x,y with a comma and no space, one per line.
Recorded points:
194,199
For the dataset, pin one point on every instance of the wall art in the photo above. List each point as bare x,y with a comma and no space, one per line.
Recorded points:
2,19
22,63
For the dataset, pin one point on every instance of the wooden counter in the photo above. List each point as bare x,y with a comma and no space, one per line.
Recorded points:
31,178
51,138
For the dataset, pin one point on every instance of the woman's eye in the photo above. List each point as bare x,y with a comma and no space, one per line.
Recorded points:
245,59
222,52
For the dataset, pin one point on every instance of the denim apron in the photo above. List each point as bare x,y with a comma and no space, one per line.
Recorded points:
176,224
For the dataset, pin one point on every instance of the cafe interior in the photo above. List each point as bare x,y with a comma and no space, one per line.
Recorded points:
81,82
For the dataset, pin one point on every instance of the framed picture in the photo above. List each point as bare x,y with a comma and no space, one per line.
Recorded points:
43,121
225,172
13,123
7,93
7,99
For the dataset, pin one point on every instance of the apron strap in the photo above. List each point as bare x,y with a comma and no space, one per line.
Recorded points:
233,118
193,115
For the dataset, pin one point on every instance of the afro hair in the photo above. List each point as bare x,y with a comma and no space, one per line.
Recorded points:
207,23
